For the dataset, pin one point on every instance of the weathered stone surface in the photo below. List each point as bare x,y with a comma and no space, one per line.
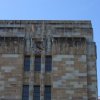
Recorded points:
73,51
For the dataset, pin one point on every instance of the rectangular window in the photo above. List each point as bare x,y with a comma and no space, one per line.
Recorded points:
26,63
48,63
47,92
25,94
37,63
36,94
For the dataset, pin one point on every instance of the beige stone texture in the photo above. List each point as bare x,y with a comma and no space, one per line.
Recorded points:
73,51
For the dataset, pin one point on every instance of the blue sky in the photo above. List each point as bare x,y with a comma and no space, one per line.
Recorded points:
56,9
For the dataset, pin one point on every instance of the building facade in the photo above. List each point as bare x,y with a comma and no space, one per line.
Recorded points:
47,60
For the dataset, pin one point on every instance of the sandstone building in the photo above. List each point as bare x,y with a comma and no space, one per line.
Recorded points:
47,60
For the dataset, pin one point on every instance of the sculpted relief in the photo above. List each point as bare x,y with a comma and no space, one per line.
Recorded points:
40,46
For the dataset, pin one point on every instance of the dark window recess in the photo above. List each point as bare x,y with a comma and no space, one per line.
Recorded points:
37,63
27,63
36,94
48,63
47,92
25,94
